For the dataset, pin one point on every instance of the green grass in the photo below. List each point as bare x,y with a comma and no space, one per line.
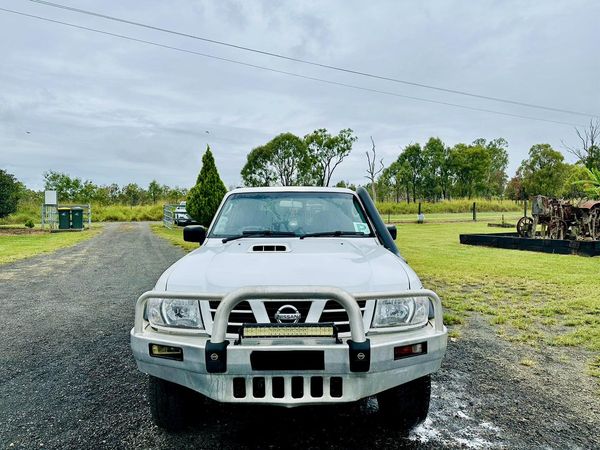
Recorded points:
174,235
484,217
531,297
449,206
15,247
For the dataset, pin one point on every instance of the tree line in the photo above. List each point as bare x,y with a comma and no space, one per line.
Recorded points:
74,190
432,171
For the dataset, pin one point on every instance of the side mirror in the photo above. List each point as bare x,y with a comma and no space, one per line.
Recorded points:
194,233
393,231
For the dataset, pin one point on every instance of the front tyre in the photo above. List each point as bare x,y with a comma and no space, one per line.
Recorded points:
407,405
169,404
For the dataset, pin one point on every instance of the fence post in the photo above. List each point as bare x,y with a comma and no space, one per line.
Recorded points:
474,212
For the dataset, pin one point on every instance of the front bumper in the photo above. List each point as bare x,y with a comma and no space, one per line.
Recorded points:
338,380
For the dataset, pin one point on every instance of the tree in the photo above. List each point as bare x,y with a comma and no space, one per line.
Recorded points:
205,197
258,172
576,181
588,153
67,188
10,191
498,162
544,172
397,177
372,171
470,165
514,189
155,191
284,160
290,160
436,172
132,194
326,152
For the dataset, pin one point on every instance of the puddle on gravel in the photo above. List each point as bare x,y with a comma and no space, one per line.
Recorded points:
452,419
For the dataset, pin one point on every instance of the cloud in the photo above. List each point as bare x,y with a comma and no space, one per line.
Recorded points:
107,109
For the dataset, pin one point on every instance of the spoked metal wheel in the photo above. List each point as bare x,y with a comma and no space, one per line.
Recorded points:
525,227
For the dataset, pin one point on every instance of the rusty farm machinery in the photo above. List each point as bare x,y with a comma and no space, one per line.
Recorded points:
560,219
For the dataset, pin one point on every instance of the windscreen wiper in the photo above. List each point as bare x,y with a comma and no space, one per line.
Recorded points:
258,233
333,233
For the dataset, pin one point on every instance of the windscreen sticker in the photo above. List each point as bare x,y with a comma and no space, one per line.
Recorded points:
361,227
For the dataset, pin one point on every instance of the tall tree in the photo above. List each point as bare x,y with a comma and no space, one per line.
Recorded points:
412,157
155,191
205,197
544,172
290,160
132,194
10,190
326,152
588,150
496,177
258,171
514,189
470,165
282,160
372,169
436,172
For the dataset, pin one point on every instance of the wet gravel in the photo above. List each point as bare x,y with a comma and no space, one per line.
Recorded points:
68,379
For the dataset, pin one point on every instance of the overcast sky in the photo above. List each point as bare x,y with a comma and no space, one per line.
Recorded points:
111,110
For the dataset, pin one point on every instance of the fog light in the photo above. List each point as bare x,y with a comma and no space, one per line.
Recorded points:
166,351
410,350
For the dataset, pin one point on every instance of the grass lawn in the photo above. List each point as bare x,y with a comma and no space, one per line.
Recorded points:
484,217
531,297
20,246
174,235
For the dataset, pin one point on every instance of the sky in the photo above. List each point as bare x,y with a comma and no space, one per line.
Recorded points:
110,110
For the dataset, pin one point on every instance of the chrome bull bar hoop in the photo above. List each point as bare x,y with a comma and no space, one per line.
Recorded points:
359,345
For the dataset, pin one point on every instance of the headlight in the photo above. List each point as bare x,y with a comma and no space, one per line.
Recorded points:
398,312
172,312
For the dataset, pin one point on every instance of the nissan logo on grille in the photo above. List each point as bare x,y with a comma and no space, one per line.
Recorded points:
287,314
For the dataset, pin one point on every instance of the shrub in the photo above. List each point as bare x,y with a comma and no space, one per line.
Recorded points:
29,223
204,198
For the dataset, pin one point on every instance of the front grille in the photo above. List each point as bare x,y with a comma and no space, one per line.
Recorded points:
295,387
240,315
334,312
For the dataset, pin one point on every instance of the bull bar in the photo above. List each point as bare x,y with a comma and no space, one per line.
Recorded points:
358,345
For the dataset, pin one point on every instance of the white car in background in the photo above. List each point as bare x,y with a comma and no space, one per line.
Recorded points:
180,215
297,296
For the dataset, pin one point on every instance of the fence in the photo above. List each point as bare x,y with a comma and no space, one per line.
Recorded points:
169,215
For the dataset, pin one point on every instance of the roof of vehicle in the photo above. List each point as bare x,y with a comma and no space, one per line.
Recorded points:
290,189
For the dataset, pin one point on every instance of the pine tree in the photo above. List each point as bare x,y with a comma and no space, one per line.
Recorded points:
205,197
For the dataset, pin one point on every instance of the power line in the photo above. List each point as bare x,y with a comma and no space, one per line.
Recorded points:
283,72
314,63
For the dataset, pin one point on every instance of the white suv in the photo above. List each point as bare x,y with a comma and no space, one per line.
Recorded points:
297,296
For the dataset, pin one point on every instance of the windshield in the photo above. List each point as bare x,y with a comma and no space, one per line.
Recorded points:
300,213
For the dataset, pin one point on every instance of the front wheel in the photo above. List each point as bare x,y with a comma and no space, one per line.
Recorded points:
407,405
169,404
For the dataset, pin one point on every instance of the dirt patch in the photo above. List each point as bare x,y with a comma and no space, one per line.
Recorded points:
21,231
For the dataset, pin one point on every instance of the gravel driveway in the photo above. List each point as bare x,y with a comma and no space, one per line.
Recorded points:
68,379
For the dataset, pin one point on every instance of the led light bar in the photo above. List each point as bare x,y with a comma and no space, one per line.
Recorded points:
271,330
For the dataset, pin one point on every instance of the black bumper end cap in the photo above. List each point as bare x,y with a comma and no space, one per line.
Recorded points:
360,355
216,357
